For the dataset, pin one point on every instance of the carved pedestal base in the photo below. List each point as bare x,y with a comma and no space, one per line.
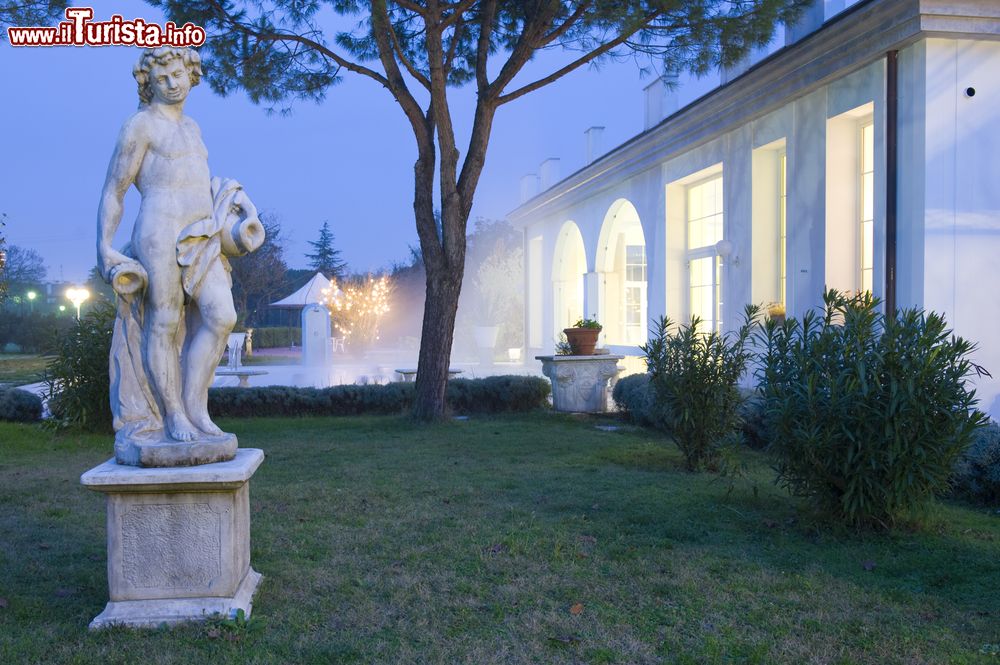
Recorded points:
163,451
580,383
178,541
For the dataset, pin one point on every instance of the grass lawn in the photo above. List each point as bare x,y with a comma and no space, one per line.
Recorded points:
527,539
18,369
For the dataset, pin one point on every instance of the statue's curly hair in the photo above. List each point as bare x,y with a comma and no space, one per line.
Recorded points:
161,56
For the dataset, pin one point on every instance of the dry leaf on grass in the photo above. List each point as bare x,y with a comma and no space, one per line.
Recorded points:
576,609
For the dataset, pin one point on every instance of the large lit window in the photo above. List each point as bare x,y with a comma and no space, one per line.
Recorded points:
635,294
867,200
782,228
704,230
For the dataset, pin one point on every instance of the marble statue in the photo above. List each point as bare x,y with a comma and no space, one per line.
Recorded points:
175,305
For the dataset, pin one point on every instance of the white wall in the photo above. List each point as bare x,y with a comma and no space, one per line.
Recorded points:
960,142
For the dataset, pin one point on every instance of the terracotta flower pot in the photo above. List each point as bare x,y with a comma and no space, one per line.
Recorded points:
582,341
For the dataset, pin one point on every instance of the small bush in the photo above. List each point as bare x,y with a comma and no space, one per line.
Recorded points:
634,395
31,332
495,394
20,406
276,337
868,413
694,377
977,473
79,384
753,421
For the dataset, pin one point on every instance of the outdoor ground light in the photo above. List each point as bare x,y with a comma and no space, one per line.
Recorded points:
77,296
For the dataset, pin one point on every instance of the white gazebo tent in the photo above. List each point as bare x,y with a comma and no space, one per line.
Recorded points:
310,293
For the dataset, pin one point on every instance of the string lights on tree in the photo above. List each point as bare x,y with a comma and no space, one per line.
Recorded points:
357,307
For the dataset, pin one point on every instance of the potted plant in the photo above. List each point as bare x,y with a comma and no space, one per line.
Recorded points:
776,311
582,337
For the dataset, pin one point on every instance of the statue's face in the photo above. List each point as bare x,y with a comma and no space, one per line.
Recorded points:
171,82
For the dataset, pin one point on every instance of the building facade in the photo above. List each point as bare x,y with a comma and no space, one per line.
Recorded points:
864,156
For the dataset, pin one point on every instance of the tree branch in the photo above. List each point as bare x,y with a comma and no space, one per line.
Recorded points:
526,45
488,14
414,72
582,60
305,41
558,32
394,78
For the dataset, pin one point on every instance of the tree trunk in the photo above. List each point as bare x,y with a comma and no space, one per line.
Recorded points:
437,334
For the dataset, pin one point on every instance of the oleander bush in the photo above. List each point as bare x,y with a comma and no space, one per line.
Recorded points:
77,375
868,413
20,406
495,394
694,375
977,472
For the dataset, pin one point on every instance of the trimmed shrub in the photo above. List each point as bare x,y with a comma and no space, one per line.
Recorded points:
31,333
495,394
78,378
977,473
634,395
20,406
276,337
694,377
868,413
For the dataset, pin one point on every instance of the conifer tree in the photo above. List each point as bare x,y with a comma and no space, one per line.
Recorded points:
325,258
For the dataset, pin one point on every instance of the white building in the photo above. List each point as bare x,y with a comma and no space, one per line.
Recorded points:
865,155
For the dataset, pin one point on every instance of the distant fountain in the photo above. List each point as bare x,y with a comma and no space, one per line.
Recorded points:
235,348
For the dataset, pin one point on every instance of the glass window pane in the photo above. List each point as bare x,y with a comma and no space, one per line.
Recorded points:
868,196
868,148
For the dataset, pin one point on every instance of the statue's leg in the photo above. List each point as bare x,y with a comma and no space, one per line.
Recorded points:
164,300
207,342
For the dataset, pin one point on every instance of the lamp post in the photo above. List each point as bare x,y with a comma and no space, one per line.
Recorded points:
77,296
31,300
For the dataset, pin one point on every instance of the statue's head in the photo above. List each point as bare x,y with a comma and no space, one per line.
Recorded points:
166,74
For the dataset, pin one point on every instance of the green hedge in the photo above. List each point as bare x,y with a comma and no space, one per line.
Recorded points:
977,472
495,394
276,337
20,406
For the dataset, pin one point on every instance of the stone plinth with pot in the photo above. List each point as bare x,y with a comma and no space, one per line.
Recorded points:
580,383
178,541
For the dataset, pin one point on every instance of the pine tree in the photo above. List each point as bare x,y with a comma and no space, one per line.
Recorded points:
326,259
419,51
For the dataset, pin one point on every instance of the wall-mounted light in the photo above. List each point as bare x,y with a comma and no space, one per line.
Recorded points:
727,252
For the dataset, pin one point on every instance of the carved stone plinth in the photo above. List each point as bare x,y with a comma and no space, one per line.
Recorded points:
161,450
580,383
178,540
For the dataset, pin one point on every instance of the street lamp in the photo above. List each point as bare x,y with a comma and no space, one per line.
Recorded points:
31,299
77,296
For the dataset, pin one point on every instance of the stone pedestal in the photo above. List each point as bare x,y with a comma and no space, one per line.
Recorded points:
178,540
580,383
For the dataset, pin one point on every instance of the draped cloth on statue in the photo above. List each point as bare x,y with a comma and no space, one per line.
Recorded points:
233,230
